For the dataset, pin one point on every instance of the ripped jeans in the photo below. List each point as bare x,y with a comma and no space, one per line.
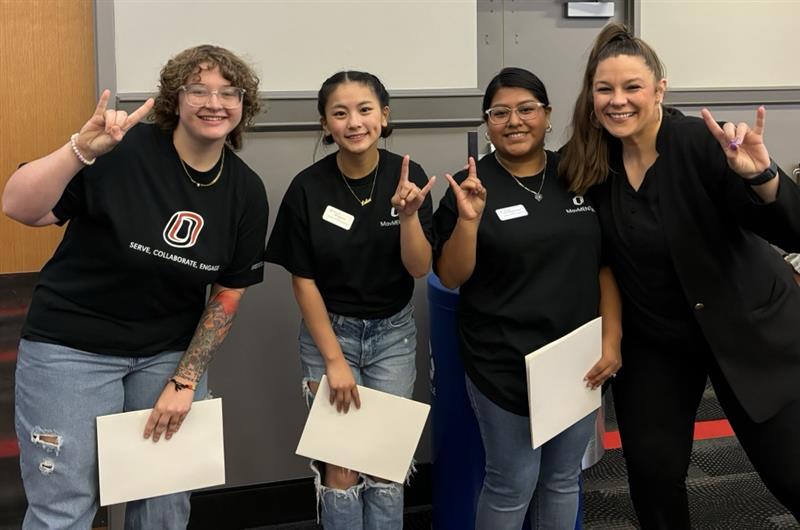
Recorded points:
59,392
382,354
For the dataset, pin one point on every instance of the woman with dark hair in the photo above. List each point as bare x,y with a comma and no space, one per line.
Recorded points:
686,207
354,230
119,319
525,253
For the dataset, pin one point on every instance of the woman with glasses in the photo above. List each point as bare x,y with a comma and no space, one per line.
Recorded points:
354,229
120,319
525,253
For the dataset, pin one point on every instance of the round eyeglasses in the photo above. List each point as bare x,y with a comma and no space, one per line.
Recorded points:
230,97
526,112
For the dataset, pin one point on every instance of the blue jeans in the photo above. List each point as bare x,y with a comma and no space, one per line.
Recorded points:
59,393
514,470
382,354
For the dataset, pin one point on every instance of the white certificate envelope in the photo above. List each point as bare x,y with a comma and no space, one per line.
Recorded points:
133,468
557,394
379,439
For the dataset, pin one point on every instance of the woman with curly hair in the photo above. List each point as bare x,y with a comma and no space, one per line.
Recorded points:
119,319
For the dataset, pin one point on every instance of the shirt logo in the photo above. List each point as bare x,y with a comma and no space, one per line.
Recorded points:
183,229
578,200
394,213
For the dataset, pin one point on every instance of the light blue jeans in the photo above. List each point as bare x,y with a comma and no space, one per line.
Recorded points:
514,470
382,354
59,393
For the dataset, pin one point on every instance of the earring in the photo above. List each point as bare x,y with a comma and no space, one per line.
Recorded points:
486,135
549,127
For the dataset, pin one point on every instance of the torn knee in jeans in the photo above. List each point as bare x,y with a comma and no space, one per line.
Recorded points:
48,440
323,491
381,486
46,466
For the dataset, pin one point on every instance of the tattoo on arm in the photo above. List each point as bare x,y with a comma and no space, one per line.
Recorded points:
214,325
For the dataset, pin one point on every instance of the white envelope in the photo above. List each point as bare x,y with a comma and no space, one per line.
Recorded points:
133,468
379,439
557,394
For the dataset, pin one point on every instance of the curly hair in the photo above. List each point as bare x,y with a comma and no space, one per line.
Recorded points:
186,66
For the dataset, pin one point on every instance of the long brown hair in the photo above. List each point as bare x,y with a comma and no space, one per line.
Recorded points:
584,158
185,68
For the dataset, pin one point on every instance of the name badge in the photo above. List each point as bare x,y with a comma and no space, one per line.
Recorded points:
511,212
337,217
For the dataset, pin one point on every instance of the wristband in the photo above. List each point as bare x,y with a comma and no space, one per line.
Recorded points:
73,142
768,174
180,386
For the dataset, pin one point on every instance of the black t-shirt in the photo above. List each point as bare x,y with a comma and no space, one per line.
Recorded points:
142,244
535,277
352,252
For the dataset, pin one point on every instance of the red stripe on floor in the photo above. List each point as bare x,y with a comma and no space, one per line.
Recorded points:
703,430
9,448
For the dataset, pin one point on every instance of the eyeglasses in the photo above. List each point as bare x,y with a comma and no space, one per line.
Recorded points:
526,112
230,97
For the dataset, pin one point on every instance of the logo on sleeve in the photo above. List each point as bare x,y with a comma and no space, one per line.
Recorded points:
183,229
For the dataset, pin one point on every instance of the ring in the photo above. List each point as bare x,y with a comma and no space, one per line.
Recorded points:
613,375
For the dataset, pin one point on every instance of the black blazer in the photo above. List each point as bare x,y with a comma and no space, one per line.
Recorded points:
743,295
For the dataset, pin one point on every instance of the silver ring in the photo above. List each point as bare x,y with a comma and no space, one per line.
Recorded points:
614,375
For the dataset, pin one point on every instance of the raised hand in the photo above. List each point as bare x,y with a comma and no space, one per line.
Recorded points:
106,128
408,197
470,195
743,146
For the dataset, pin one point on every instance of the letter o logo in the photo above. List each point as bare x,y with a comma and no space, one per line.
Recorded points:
182,229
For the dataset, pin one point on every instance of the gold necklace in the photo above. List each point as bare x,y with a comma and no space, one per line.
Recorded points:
204,184
536,194
368,200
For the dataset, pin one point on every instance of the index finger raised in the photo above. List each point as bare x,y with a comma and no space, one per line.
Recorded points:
137,115
102,103
404,169
713,127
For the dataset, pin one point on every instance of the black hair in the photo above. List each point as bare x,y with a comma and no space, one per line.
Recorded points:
512,77
352,76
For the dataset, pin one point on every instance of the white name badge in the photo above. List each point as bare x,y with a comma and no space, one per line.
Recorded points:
511,212
337,217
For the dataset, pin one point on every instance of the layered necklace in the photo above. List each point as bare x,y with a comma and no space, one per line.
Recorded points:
537,194
205,184
362,202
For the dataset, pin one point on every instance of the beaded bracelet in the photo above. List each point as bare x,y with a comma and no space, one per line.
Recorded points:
73,142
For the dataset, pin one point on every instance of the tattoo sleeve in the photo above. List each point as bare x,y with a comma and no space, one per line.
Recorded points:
215,322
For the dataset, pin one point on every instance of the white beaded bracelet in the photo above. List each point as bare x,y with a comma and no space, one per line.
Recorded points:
74,144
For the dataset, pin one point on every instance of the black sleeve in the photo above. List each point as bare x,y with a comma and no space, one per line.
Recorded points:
778,222
247,266
446,216
72,201
289,244
418,176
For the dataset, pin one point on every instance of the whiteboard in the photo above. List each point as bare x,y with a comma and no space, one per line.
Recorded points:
724,44
294,45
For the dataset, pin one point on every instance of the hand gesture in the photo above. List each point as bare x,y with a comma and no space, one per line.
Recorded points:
608,365
169,412
408,197
343,385
471,195
744,147
106,128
